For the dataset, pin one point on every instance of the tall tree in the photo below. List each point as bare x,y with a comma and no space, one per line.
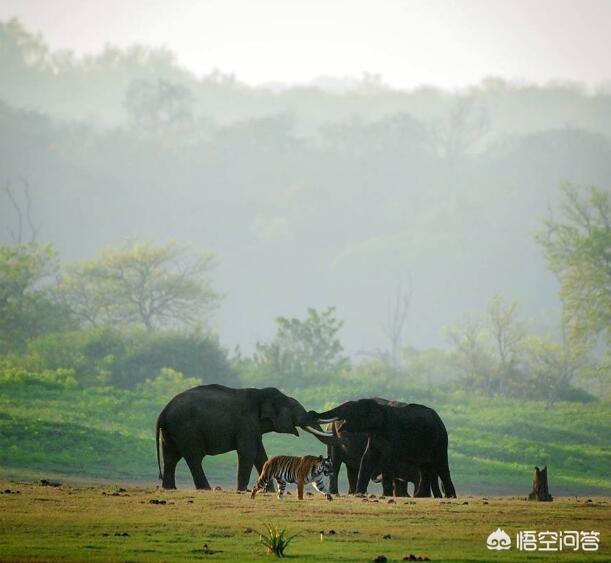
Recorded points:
153,286
472,355
26,310
507,332
577,245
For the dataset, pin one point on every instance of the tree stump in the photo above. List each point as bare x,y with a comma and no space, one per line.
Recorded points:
540,489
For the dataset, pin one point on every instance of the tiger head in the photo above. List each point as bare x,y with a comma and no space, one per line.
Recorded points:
323,466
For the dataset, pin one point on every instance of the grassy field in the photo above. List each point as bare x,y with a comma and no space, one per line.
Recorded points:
108,433
105,522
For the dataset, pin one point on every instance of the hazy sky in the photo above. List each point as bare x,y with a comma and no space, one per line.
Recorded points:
409,42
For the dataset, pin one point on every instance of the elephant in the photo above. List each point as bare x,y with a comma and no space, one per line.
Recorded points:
397,436
214,419
350,449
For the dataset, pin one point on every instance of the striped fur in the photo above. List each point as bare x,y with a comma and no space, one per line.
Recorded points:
301,470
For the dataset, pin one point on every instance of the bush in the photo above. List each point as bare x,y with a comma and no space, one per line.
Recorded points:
127,358
167,384
193,355
59,378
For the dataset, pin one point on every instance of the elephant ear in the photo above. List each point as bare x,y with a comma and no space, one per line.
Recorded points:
281,418
268,410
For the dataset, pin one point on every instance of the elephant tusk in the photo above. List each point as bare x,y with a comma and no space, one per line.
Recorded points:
318,432
327,420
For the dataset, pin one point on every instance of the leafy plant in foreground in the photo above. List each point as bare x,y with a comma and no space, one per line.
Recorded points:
275,539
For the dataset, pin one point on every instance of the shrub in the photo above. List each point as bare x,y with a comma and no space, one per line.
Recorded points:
167,384
60,378
193,355
127,358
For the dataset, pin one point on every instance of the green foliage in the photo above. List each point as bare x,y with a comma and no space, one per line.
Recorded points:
126,358
472,356
275,539
497,356
193,354
577,246
142,284
26,309
432,365
61,378
303,352
167,384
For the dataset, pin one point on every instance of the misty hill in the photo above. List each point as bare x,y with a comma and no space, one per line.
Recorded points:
309,196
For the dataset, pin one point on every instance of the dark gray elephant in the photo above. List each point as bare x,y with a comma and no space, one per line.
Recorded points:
350,449
214,419
396,436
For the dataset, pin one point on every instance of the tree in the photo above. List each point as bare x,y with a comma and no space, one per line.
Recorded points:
487,351
465,125
303,351
472,355
23,214
431,366
142,284
393,327
577,246
26,309
552,366
159,108
507,332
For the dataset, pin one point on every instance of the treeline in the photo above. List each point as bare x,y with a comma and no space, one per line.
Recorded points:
143,314
309,196
35,77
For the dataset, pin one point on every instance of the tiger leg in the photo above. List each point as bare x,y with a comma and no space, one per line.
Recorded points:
280,486
300,489
321,487
261,484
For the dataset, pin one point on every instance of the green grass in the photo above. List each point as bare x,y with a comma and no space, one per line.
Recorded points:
88,523
107,433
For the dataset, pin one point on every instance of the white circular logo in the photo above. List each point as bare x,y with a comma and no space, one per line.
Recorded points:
498,540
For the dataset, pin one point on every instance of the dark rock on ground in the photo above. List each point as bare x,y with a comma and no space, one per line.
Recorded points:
49,483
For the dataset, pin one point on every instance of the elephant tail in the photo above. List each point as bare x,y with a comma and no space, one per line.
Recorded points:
157,431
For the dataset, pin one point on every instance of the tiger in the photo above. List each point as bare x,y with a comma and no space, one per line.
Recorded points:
301,470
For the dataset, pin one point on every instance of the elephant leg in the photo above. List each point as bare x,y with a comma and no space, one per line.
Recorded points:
353,474
369,462
260,460
424,488
246,461
435,485
400,488
446,482
170,458
387,484
334,480
195,467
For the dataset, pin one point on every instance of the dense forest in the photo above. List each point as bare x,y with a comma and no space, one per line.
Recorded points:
337,239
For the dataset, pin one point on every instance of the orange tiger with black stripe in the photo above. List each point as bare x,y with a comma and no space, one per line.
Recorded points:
301,470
